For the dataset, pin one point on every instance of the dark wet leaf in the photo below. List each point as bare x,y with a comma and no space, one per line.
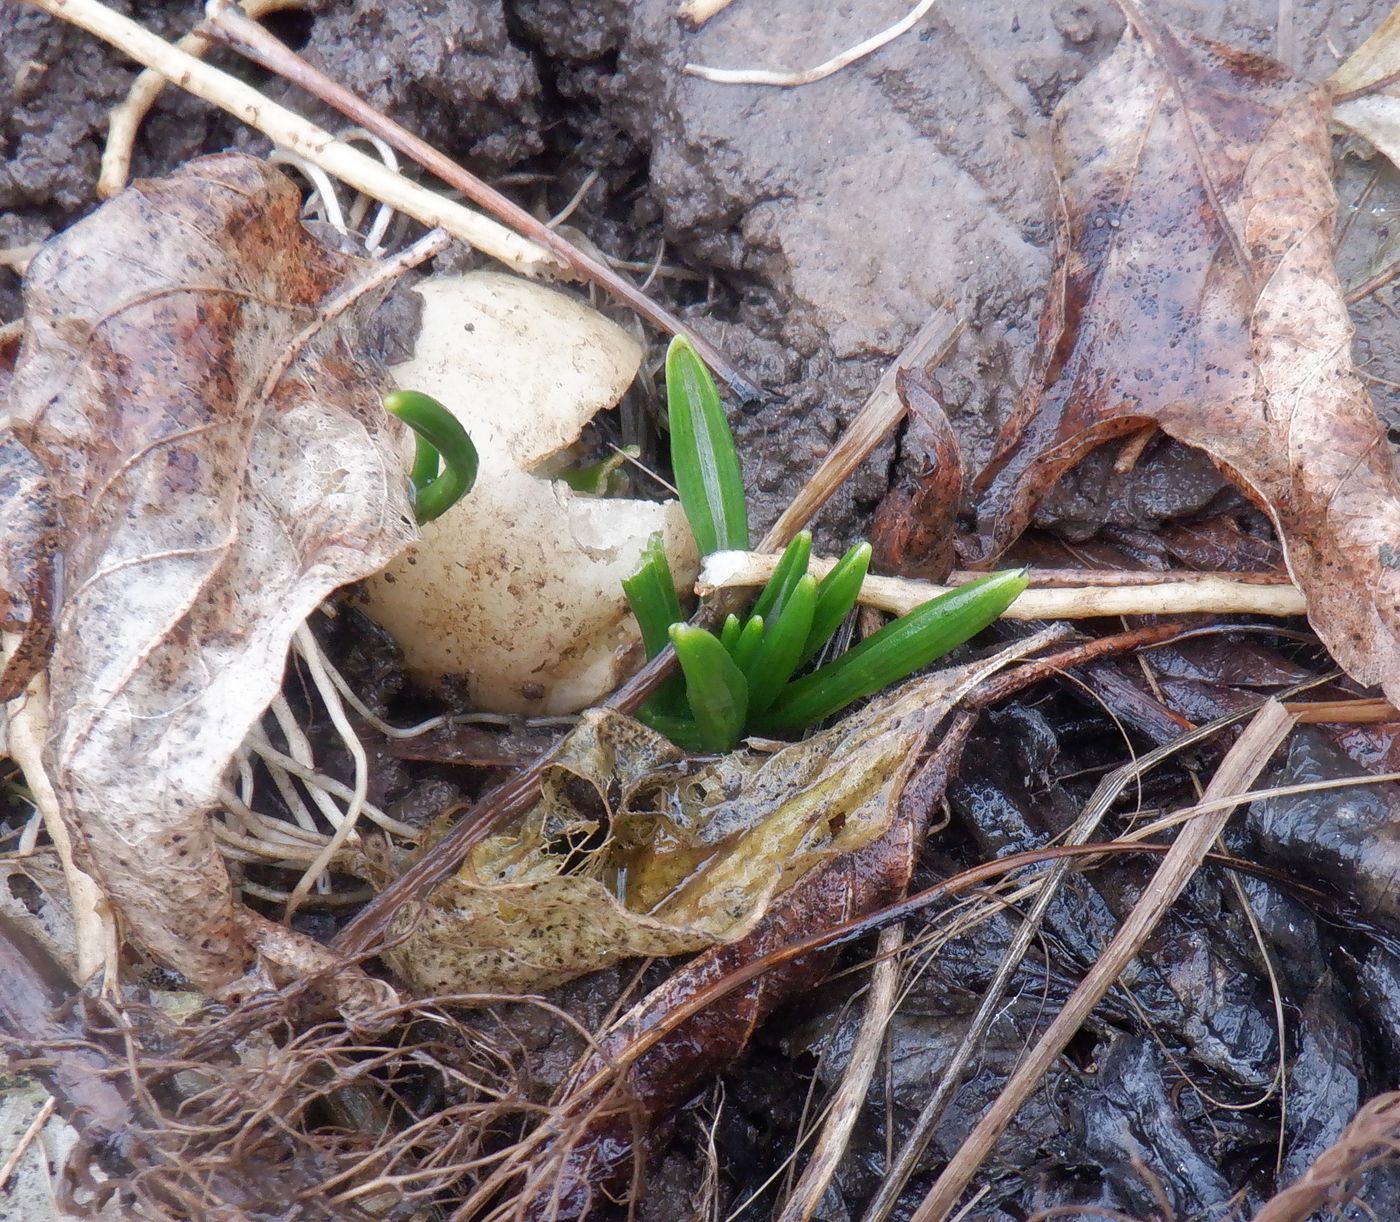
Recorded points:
1197,292
913,533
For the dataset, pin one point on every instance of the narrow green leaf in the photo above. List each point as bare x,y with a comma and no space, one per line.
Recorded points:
897,650
776,660
703,457
714,686
747,646
651,593
789,571
444,433
729,633
836,595
680,730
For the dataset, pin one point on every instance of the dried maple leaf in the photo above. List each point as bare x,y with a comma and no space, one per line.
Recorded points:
1197,292
211,459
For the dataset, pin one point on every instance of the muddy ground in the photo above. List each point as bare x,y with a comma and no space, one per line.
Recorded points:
825,225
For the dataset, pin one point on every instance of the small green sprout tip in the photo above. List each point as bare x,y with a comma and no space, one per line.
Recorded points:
440,439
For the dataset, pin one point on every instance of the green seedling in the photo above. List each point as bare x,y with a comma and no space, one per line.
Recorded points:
605,477
741,680
444,460
897,650
703,456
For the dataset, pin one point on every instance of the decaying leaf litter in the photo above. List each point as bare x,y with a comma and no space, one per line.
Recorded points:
1213,1048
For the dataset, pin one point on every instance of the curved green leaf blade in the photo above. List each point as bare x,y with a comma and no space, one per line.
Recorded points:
436,426
714,686
897,650
776,660
836,595
651,593
703,457
788,572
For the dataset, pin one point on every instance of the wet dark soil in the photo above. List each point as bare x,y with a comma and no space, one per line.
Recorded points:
811,232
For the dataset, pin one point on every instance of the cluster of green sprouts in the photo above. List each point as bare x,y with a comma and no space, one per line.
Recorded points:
745,679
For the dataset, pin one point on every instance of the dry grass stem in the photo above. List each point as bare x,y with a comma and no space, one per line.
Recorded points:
125,118
1043,889
1243,762
806,76
1199,593
880,413
560,255
286,128
1371,1138
26,1139
850,1095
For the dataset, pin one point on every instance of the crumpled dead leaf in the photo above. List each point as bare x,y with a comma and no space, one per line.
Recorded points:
635,849
1196,291
212,459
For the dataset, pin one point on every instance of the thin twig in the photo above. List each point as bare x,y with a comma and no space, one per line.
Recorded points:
1244,761
290,130
951,1078
249,39
805,76
124,119
855,1082
880,413
16,1156
1196,593
1371,1137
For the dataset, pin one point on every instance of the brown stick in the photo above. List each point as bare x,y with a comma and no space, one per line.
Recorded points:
1371,1136
226,23
1236,773
880,413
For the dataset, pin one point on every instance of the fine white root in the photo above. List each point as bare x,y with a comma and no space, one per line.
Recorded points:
319,780
1196,593
805,76
310,653
94,929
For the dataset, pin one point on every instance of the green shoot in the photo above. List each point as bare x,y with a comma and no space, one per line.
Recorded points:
741,680
897,650
440,437
602,478
836,595
776,659
714,686
703,457
791,568
652,595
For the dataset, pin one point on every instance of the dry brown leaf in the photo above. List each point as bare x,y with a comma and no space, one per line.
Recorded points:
635,849
212,463
1197,292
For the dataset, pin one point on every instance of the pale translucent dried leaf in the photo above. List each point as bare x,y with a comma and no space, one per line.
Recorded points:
204,500
635,849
